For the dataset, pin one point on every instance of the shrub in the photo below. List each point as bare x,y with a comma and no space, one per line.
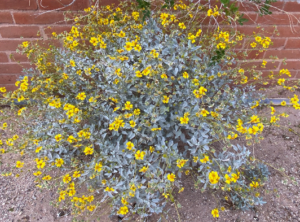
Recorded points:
129,105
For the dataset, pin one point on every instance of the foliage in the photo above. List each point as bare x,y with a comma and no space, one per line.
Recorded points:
131,103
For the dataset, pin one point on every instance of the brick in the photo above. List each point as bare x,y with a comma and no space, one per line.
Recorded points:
5,17
8,78
3,57
58,29
287,31
270,65
250,7
109,2
13,68
46,43
277,43
281,54
293,44
278,19
292,7
10,87
267,73
291,65
17,57
63,5
19,31
9,45
18,4
39,18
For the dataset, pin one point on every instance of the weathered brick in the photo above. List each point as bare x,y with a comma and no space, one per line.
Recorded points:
58,29
13,68
278,19
281,54
18,4
292,7
63,5
9,87
17,57
3,57
19,31
291,65
9,45
5,17
293,43
8,78
39,18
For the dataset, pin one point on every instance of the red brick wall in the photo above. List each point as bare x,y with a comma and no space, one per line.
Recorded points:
23,18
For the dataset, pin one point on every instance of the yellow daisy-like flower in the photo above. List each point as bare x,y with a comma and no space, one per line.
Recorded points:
215,213
67,178
171,177
165,99
185,75
130,145
19,164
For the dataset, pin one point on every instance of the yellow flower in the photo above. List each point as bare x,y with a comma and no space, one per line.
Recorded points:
210,12
205,159
76,174
221,45
72,63
213,177
254,119
67,178
2,89
181,162
139,155
40,164
163,76
283,103
227,179
25,44
171,177
254,184
258,38
109,189
132,123
130,145
151,148
165,99
88,150
123,210
59,162
94,41
181,25
184,120
138,74
204,112
253,44
235,177
122,34
144,169
72,192
128,105
185,75
281,81
98,166
91,208
37,173
19,164
48,177
38,149
215,212
81,96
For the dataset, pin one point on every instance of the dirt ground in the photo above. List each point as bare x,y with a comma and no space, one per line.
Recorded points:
21,200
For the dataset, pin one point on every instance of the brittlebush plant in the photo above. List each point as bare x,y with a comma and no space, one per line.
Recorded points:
130,104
